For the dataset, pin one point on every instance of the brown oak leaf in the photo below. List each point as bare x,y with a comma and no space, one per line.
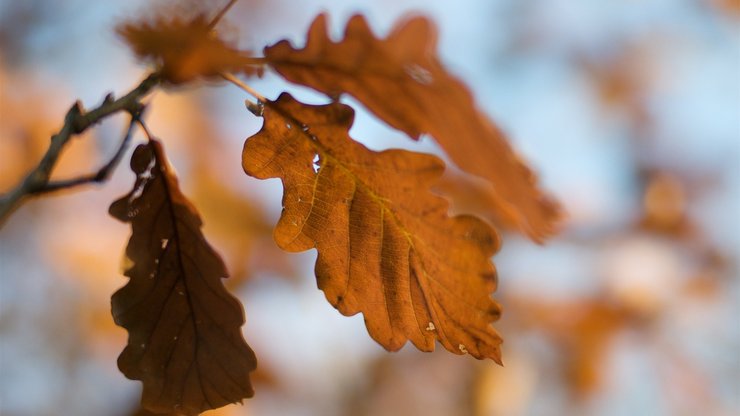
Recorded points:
185,342
401,80
386,245
185,50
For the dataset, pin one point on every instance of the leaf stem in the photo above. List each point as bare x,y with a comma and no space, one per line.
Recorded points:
148,132
251,91
221,14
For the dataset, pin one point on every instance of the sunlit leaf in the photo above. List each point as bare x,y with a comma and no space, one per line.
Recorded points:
401,80
386,246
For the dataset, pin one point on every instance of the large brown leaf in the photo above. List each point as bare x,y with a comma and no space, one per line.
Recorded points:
386,246
401,80
185,342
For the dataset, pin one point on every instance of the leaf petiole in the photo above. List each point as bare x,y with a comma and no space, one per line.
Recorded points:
221,14
146,130
249,90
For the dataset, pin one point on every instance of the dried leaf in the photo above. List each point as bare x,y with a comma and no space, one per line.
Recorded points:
185,342
401,80
184,50
386,246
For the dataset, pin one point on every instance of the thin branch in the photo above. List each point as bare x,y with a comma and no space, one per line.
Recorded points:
221,14
251,91
102,174
148,132
75,122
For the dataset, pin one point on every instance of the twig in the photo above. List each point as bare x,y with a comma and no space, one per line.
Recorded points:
149,135
251,91
102,174
221,14
75,122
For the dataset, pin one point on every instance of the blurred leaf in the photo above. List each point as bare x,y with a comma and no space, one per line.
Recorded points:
594,325
185,342
240,226
387,247
401,80
24,134
624,78
664,207
507,391
582,328
470,194
412,383
184,50
617,78
729,7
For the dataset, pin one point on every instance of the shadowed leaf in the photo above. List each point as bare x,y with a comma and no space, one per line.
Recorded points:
185,342
401,80
386,246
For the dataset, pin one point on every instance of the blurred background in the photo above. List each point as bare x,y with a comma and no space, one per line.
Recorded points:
628,110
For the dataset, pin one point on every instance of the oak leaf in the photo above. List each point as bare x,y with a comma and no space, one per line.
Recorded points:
401,80
386,245
185,342
184,50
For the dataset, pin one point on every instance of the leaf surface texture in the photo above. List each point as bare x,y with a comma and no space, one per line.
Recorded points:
386,245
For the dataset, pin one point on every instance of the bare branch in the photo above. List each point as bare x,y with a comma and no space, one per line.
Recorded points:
75,122
102,174
221,14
